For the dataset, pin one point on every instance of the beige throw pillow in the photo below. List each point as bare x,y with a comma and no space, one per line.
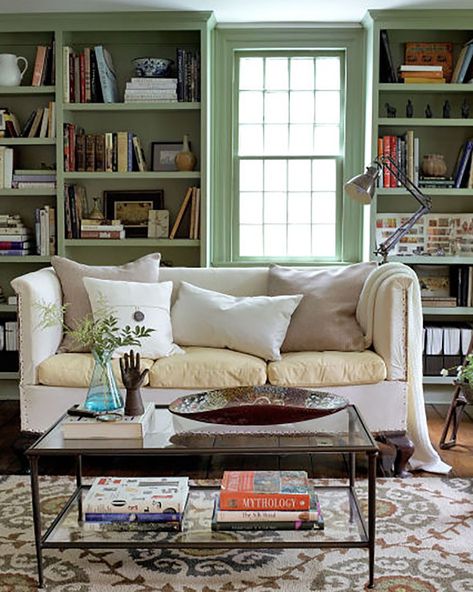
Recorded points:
325,319
71,275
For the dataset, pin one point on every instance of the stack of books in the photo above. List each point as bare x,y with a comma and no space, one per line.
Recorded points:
44,71
151,90
9,126
41,123
421,74
45,230
89,76
15,238
33,179
142,503
101,229
436,182
266,500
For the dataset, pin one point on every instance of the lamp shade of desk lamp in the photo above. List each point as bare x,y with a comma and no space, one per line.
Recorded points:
362,189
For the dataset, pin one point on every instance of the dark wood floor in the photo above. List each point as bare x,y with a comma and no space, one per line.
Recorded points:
12,443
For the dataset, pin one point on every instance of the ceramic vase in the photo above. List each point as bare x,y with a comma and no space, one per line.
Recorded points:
185,160
10,73
103,394
433,165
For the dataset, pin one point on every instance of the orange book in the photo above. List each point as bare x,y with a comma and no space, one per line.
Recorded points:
39,65
422,74
180,214
265,490
435,53
420,80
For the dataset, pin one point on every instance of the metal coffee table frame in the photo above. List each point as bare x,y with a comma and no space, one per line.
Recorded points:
367,527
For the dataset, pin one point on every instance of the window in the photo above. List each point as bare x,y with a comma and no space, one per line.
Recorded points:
288,154
288,122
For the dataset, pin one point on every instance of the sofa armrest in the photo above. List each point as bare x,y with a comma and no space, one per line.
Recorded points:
388,333
36,343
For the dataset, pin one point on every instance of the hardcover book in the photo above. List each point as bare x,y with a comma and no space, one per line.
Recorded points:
133,426
137,495
265,490
434,53
107,76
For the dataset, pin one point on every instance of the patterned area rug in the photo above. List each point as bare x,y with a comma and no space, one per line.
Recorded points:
424,544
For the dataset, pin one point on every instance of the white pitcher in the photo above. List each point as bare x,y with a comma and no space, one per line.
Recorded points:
10,73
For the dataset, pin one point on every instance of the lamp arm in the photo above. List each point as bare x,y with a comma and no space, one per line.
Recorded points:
400,175
425,202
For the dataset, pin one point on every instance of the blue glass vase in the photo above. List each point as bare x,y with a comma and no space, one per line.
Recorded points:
103,394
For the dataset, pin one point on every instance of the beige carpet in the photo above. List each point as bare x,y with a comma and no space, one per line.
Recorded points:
424,544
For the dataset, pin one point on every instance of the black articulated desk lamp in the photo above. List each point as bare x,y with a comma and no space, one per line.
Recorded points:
362,188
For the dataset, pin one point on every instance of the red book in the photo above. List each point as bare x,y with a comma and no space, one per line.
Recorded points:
393,152
82,77
72,147
386,152
265,490
39,65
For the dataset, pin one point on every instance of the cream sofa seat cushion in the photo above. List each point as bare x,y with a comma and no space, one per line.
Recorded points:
75,370
329,368
207,367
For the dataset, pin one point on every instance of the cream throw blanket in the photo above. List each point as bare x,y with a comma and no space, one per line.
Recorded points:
425,456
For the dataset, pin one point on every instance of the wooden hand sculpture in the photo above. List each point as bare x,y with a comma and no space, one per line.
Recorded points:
132,379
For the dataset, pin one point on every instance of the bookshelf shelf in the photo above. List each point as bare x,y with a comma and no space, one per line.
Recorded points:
453,311
24,259
133,175
91,107
425,88
431,260
27,90
424,122
132,242
9,375
7,307
26,192
430,191
27,141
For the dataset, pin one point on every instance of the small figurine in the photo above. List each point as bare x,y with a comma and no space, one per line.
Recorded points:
391,111
132,379
446,110
428,112
465,109
409,108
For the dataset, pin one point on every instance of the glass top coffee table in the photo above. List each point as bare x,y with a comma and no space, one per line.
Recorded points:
345,523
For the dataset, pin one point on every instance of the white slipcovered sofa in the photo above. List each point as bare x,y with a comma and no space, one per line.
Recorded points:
376,379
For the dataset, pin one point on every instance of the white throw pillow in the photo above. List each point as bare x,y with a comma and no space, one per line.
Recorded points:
254,325
125,299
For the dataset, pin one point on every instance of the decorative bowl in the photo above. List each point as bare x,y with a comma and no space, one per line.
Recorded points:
152,67
257,405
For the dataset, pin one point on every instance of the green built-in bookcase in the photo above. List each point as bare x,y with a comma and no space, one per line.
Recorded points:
437,135
126,36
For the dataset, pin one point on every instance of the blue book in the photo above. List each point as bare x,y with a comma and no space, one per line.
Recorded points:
466,62
132,517
107,76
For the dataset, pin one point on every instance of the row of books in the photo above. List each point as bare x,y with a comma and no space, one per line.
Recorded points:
188,75
151,90
445,285
120,151
191,201
89,76
148,503
16,239
421,74
41,123
404,151
44,71
433,234
45,230
445,346
8,336
266,500
75,207
106,229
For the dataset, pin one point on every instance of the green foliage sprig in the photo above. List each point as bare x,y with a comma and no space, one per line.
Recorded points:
100,334
464,371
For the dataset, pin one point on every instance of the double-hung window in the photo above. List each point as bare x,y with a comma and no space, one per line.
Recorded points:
288,156
281,154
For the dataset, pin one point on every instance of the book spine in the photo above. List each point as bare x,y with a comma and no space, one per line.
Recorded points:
466,152
72,146
105,234
15,252
268,516
180,73
65,74
122,152
131,517
90,153
387,153
87,78
394,155
80,152
268,501
296,525
38,65
100,152
15,245
82,77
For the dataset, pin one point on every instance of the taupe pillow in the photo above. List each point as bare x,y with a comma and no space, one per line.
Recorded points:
325,318
71,274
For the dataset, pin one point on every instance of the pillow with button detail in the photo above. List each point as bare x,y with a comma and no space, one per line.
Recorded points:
136,303
253,325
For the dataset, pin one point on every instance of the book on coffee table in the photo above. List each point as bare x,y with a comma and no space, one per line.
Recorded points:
128,426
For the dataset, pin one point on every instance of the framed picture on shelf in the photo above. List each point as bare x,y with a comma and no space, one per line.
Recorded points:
163,155
132,208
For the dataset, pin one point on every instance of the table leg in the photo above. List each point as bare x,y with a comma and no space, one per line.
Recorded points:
36,516
371,514
79,483
351,478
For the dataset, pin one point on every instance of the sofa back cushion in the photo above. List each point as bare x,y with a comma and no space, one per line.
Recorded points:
71,275
254,325
325,319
